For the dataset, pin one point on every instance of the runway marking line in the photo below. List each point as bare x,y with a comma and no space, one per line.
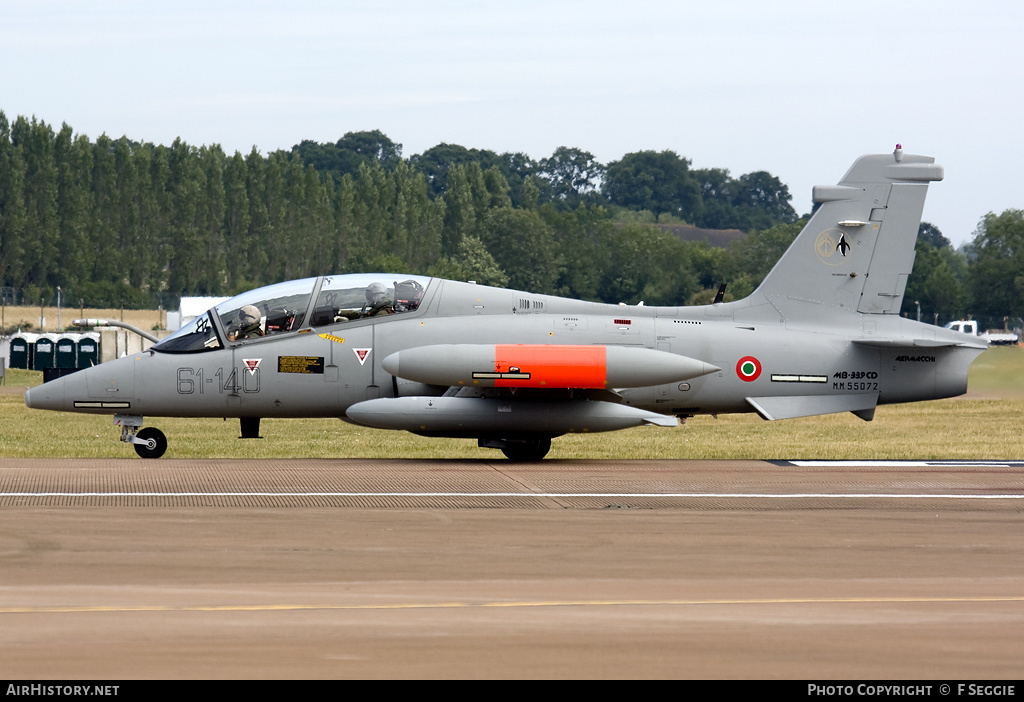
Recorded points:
526,494
957,463
510,605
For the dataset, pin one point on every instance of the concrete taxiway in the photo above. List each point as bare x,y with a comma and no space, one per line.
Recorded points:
352,568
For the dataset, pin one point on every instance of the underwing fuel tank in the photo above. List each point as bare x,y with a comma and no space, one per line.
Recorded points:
478,415
542,366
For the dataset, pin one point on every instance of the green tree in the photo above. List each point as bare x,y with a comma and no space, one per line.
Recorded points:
14,250
659,182
518,168
718,193
574,176
933,235
344,225
253,250
523,246
937,283
472,262
319,208
349,153
126,217
436,162
155,213
460,208
275,198
213,205
755,254
237,217
36,142
103,229
583,239
650,266
764,200
372,147
74,206
294,246
418,217
997,274
529,197
186,186
711,266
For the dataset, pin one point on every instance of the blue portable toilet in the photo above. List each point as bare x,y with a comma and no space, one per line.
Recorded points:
45,352
22,348
89,349
66,352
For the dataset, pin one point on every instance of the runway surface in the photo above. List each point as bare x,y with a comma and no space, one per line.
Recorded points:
436,569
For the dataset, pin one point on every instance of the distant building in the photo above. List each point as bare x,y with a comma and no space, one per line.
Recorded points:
191,307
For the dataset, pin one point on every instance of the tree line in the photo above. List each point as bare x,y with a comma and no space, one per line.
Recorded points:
120,222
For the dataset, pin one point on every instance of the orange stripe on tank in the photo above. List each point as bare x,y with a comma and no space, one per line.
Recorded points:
551,366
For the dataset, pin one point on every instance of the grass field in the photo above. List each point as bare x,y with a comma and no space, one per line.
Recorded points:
984,424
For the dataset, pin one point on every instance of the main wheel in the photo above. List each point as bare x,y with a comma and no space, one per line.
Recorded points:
527,450
250,427
157,443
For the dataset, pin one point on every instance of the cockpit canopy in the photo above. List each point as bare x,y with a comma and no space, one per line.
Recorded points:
298,304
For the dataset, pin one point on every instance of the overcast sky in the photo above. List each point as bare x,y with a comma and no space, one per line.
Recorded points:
799,89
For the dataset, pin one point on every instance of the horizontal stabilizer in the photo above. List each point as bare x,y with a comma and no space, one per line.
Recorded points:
788,407
920,343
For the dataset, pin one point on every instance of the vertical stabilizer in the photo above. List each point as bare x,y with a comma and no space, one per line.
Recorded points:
857,250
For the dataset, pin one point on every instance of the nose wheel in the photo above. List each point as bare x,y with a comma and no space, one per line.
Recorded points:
149,442
153,443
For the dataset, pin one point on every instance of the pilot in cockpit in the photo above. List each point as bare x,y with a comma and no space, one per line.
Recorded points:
377,303
248,324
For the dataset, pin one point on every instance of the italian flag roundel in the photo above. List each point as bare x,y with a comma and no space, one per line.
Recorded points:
748,368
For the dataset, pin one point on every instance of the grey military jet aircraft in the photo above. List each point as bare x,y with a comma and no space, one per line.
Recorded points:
513,369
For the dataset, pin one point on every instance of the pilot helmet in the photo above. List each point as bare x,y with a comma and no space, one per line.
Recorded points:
376,292
249,314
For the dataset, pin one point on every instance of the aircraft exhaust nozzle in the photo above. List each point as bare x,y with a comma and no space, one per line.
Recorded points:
461,415
542,366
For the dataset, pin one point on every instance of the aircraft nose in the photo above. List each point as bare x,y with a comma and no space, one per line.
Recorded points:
49,396
73,393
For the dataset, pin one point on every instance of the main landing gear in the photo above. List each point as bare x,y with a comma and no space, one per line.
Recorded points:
520,450
149,442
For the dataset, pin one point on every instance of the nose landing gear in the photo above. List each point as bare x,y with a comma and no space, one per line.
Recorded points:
149,442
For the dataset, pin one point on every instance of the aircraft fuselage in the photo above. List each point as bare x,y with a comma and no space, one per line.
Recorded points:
821,334
325,370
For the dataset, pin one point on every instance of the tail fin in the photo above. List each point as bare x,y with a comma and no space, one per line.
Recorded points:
857,250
